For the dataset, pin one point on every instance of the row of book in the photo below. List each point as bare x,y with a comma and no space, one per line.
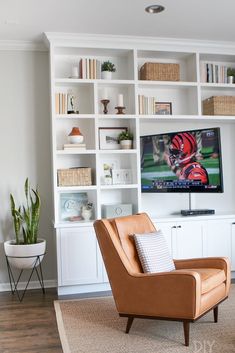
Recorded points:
89,68
64,103
213,73
146,104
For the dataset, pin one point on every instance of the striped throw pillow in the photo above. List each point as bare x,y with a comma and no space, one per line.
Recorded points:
153,252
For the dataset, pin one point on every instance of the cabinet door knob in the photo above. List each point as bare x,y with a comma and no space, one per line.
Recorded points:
178,226
173,227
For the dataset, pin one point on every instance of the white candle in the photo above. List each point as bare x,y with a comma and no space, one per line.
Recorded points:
74,71
120,100
105,94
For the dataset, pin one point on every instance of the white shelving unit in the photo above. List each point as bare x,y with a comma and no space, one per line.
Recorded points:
128,55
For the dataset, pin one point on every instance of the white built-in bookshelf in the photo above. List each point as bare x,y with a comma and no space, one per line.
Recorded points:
186,96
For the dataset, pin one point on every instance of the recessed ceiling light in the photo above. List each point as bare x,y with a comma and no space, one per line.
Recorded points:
154,8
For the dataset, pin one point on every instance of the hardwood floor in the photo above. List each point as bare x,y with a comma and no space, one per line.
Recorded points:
29,326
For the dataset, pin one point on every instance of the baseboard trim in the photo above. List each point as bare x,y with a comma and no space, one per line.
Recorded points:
5,287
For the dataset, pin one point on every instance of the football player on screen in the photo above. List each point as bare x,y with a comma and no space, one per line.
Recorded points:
182,158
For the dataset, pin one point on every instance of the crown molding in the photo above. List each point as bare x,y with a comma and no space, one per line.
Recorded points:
157,43
22,45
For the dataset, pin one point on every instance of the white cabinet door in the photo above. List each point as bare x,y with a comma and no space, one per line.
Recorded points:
187,240
233,247
218,238
80,261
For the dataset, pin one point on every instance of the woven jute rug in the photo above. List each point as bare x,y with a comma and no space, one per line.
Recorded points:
93,326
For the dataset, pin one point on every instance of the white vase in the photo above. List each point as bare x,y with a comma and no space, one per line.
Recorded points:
86,214
126,144
106,75
24,256
230,79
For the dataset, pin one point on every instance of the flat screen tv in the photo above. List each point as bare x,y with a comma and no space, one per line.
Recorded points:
182,161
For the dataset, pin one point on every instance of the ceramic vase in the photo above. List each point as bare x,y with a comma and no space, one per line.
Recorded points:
75,136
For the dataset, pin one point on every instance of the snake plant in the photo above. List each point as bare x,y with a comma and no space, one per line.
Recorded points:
26,217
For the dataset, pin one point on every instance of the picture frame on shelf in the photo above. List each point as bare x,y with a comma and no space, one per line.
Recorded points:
163,108
107,167
71,206
108,137
121,176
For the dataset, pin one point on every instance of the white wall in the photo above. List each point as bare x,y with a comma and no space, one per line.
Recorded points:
25,144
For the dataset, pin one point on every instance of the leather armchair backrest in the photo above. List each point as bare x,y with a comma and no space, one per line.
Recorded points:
123,228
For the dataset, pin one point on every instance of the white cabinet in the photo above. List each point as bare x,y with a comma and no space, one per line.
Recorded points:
233,246
185,239
218,239
79,261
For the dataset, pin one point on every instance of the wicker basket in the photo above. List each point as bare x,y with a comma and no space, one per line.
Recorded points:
160,72
219,105
74,177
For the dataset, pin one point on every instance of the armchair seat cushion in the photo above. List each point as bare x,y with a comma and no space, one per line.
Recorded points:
210,278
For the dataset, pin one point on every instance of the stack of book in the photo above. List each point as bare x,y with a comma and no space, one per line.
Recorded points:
74,147
213,73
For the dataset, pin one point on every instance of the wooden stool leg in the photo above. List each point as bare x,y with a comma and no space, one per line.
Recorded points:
186,333
216,314
129,323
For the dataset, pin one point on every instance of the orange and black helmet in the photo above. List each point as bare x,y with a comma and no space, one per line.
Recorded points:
183,148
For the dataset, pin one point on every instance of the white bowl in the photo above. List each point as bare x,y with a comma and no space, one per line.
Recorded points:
76,139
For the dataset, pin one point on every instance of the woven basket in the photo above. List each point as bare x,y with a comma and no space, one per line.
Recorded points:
219,105
160,72
74,177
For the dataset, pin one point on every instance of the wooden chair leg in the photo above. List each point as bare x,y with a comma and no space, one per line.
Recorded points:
129,323
186,332
216,314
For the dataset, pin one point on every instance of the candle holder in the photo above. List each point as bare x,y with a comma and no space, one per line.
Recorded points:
120,110
105,102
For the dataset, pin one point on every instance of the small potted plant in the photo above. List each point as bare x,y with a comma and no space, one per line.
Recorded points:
23,252
231,74
125,139
106,70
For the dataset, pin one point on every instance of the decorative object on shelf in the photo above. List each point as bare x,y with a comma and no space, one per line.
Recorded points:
108,137
117,210
146,104
74,177
71,104
107,167
219,105
121,176
71,206
163,108
74,72
160,72
120,106
24,251
125,139
106,70
105,102
230,75
75,136
87,211
89,68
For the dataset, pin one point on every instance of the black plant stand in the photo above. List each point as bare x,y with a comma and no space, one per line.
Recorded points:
14,283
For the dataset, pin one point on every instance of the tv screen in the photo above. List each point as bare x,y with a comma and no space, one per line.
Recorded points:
183,161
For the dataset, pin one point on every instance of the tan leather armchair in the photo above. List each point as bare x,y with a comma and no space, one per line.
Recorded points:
185,294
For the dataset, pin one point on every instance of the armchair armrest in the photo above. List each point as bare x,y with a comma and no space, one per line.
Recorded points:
221,263
167,294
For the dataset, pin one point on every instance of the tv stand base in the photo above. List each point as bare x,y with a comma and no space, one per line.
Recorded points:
198,212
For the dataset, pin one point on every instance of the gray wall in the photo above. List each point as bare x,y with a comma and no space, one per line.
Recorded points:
25,149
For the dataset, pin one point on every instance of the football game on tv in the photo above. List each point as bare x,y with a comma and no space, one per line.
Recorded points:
185,161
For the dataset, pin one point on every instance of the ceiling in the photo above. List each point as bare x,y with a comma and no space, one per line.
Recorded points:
197,19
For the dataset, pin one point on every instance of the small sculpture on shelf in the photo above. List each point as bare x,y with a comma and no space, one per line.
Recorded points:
75,141
120,106
71,104
87,211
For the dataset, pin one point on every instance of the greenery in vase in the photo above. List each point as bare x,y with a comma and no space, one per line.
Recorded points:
26,217
231,71
125,135
108,66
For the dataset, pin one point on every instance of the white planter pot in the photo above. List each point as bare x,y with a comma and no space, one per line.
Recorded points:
230,79
106,75
86,214
126,144
18,255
